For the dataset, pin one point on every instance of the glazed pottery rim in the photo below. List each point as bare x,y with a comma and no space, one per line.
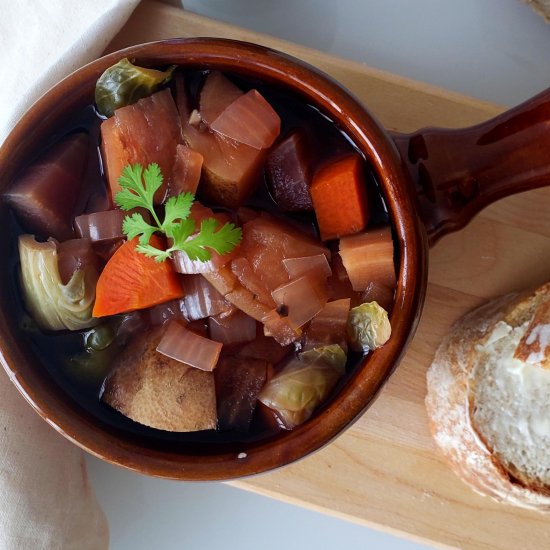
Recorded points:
237,460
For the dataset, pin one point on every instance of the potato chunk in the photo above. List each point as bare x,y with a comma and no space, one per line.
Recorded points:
159,392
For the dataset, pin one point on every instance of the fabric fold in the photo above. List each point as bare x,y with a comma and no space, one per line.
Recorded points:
41,42
46,500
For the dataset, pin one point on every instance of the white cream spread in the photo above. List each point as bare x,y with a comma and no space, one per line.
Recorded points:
542,334
512,400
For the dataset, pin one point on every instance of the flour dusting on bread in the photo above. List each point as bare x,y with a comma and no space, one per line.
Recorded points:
511,406
489,408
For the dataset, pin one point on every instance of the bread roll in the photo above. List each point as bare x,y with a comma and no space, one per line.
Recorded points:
488,399
542,7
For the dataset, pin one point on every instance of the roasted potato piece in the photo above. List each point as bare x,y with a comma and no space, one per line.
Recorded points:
159,392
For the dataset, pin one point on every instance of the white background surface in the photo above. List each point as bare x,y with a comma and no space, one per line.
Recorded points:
496,50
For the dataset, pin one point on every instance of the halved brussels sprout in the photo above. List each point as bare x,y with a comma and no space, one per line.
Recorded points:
124,83
304,383
53,305
102,344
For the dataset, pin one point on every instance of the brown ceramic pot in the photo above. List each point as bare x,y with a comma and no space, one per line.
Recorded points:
433,182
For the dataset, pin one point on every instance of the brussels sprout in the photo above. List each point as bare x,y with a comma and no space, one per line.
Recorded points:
90,367
53,305
368,327
102,344
124,83
99,338
332,355
304,383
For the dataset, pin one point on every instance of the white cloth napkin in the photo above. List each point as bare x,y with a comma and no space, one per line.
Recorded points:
46,501
45,498
42,41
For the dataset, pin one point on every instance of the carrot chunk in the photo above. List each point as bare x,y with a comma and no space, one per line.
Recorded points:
133,281
340,198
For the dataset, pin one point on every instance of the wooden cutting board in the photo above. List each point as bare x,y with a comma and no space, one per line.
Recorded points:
385,471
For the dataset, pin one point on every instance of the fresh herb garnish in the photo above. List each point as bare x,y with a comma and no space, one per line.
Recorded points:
138,189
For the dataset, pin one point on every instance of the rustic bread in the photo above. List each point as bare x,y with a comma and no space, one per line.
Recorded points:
542,7
488,399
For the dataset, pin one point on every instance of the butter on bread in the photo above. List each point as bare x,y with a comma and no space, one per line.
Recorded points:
488,399
534,347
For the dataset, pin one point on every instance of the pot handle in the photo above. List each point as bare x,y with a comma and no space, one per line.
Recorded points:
459,172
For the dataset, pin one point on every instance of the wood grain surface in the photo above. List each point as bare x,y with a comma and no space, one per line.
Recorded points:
385,471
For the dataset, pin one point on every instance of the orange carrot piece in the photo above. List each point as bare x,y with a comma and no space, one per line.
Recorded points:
340,198
133,281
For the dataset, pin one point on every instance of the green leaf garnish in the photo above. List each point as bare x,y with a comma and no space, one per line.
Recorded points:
177,207
135,226
138,188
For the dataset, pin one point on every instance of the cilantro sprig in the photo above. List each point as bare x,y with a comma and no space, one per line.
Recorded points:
138,187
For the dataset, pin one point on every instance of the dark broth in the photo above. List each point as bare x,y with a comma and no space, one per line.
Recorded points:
56,351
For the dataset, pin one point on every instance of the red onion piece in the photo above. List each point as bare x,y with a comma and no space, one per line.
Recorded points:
227,165
106,250
101,227
129,325
338,284
187,266
329,325
338,269
245,214
238,383
181,98
268,241
74,254
186,172
242,269
302,299
251,120
288,170
99,198
280,328
200,212
266,348
188,347
379,293
182,262
316,266
217,93
202,300
237,328
200,327
267,418
160,314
